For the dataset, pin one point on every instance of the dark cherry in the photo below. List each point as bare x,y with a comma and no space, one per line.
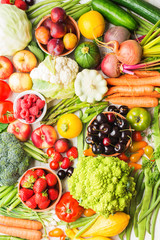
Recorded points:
91,139
95,123
115,132
123,140
123,124
117,120
106,141
92,128
110,117
69,171
108,150
61,174
126,134
114,140
30,2
123,110
101,118
119,147
105,128
101,135
113,108
97,149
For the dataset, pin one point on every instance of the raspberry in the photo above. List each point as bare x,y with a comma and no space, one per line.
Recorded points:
25,96
18,105
34,111
33,97
40,103
26,103
30,119
17,114
39,114
24,113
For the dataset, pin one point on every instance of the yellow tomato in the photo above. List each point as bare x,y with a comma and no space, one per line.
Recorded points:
70,41
91,24
69,125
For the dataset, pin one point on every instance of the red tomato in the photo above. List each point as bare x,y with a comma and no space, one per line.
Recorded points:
6,112
63,237
68,208
4,90
50,151
123,157
136,136
54,165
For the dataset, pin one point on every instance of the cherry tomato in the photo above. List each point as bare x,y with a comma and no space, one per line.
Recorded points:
137,145
135,157
123,157
63,237
135,165
54,165
50,151
57,232
4,90
6,112
89,212
148,150
136,136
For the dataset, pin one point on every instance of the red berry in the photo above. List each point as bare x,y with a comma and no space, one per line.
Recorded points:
51,179
26,103
39,114
40,172
18,104
25,194
50,151
56,157
30,176
30,119
40,103
25,184
66,163
41,197
33,98
72,153
54,165
40,185
24,113
31,203
43,205
106,141
53,194
34,111
7,2
21,4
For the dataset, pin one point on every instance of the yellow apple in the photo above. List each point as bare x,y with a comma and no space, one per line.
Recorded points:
20,82
24,61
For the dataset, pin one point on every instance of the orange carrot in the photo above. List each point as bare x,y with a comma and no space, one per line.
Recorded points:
88,152
135,165
128,76
21,232
142,73
124,94
153,81
22,223
134,101
131,90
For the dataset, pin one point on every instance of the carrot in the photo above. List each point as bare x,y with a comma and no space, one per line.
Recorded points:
88,152
124,94
128,76
132,90
134,101
22,223
21,232
135,165
153,81
142,73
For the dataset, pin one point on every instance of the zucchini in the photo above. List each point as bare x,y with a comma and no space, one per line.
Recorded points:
114,14
141,7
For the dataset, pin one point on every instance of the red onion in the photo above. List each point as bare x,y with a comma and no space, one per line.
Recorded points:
118,33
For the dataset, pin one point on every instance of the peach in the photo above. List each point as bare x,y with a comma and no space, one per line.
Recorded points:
42,34
6,68
20,82
24,61
21,130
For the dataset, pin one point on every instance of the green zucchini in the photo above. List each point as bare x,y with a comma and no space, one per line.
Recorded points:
114,14
141,7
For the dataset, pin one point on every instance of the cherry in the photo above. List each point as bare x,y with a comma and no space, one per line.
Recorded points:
106,141
110,117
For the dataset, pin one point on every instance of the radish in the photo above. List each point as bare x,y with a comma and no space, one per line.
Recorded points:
117,33
110,65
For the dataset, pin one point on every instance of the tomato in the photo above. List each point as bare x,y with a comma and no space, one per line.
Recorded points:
6,112
148,150
123,157
50,151
4,90
63,237
136,136
54,165
89,212
57,232
135,165
137,145
139,118
135,157
68,208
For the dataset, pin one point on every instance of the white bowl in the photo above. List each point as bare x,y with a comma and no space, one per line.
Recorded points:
31,92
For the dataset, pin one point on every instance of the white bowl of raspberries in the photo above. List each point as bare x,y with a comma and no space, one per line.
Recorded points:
29,107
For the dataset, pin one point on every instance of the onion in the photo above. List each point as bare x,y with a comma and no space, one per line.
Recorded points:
110,65
118,33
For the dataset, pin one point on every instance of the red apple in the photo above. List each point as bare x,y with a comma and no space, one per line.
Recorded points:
58,14
47,23
44,136
6,68
58,30
21,130
55,46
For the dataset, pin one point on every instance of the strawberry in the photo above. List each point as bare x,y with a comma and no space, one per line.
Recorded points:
21,4
43,205
56,157
40,172
40,185
53,194
66,163
31,176
72,153
25,194
25,184
7,2
31,203
41,197
51,179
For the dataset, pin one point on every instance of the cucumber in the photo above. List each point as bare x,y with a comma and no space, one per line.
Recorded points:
114,14
143,8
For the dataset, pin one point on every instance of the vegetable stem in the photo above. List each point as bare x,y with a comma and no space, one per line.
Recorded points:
143,42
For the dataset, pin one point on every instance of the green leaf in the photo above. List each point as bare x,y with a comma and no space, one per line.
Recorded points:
3,127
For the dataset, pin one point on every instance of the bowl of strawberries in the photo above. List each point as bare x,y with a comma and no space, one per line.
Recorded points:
39,189
29,107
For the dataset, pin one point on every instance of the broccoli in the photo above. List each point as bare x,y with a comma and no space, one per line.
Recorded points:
14,161
103,184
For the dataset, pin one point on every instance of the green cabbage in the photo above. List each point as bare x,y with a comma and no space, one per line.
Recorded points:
15,29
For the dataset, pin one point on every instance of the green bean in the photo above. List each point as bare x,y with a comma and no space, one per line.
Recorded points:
89,118
14,204
154,221
86,146
5,200
140,194
135,220
12,200
2,188
121,235
39,4
4,237
4,193
77,15
139,182
42,10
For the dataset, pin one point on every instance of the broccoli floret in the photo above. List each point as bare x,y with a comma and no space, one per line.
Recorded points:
14,161
103,184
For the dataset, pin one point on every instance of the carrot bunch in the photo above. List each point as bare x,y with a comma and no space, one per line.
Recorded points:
138,90
16,227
